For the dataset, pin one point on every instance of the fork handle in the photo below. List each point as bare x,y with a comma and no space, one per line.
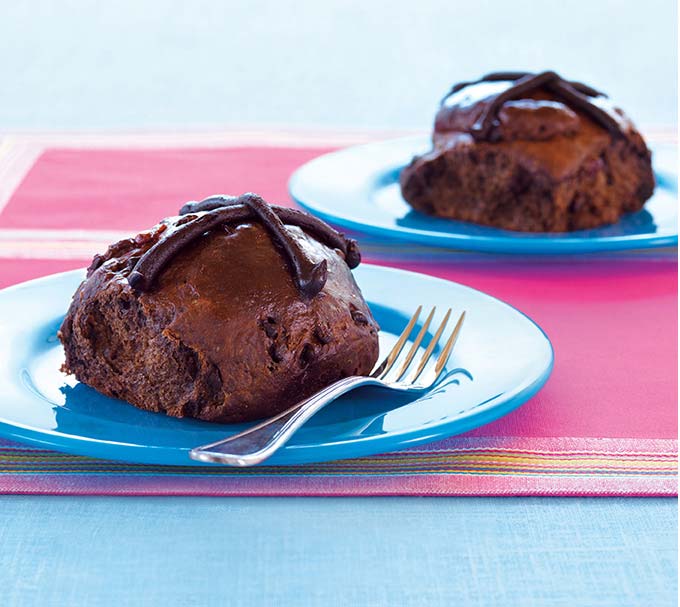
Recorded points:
256,444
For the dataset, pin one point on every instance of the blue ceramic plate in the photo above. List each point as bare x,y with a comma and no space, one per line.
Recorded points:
358,189
502,358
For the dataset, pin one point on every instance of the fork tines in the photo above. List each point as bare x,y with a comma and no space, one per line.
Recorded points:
382,371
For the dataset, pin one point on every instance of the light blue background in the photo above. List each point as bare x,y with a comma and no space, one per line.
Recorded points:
358,64
379,552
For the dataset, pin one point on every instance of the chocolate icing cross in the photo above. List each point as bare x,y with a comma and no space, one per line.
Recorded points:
574,94
309,276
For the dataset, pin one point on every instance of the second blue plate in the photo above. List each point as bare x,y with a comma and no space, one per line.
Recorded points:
358,189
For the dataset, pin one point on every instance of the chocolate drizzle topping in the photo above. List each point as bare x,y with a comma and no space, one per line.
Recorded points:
202,217
576,95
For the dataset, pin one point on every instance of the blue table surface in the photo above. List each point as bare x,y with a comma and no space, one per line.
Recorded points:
154,64
338,551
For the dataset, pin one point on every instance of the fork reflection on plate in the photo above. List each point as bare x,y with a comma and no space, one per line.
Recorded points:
259,442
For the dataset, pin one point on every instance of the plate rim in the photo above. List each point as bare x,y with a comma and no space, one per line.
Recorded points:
298,454
537,244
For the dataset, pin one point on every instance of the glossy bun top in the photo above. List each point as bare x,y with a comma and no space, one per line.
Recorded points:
510,106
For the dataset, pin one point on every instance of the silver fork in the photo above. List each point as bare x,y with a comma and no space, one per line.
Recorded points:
256,444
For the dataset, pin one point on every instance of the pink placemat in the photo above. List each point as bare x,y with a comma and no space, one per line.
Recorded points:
605,423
